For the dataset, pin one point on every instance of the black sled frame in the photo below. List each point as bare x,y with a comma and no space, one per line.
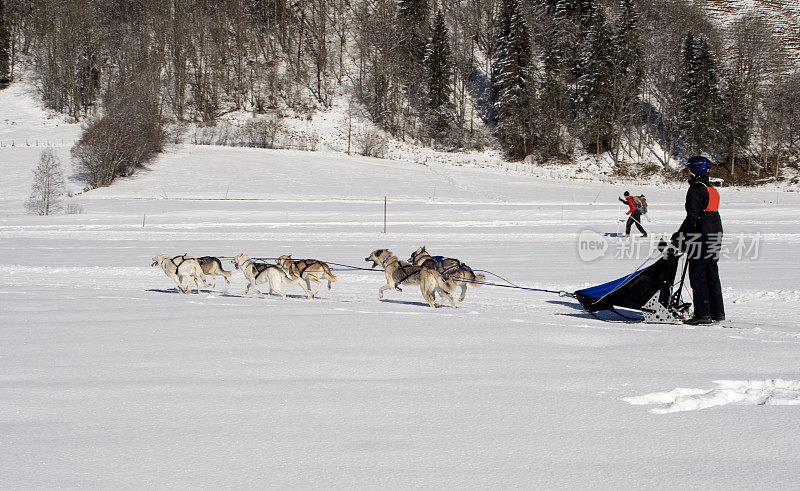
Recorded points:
650,290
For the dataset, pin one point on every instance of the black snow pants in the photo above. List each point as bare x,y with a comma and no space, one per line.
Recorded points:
634,218
704,274
706,288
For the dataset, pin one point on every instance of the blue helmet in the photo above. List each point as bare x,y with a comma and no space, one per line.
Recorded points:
699,165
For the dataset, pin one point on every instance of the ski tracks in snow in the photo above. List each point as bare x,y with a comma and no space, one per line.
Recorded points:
473,190
771,392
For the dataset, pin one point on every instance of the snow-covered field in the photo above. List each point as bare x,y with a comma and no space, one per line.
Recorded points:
111,378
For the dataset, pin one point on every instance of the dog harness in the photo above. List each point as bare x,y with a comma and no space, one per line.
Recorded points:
408,275
260,267
439,263
183,260
208,259
307,263
402,269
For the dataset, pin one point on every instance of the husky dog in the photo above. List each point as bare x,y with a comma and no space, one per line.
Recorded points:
397,272
180,267
308,270
450,268
212,267
257,273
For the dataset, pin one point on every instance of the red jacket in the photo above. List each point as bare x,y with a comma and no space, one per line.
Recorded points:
631,204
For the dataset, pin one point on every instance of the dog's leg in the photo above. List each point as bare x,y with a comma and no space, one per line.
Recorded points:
309,295
319,285
383,289
446,294
429,297
450,297
179,282
463,292
308,287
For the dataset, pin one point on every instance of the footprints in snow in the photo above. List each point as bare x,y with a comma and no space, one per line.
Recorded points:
773,392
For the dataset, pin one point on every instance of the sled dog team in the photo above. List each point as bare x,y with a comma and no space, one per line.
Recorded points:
433,274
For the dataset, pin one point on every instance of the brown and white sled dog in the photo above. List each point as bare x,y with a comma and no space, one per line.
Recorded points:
212,267
180,267
308,270
450,268
398,272
258,272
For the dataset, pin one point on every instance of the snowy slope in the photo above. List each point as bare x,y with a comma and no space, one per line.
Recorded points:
110,378
25,130
782,15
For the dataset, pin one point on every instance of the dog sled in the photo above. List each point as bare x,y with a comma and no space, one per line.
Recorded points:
650,291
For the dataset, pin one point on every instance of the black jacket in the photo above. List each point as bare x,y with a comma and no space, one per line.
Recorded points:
697,219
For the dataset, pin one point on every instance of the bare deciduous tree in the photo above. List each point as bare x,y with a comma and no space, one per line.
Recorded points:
48,185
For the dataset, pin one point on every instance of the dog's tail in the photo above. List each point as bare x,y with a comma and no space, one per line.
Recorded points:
222,271
471,277
328,275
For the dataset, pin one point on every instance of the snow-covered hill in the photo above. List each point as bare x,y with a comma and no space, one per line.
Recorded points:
783,15
111,378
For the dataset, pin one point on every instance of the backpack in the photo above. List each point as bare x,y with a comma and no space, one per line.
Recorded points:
641,203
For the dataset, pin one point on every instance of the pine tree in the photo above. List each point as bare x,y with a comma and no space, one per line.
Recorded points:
628,74
597,84
439,66
48,185
573,18
699,95
512,87
551,100
412,27
630,66
5,48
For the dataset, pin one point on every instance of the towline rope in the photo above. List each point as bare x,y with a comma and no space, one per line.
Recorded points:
510,284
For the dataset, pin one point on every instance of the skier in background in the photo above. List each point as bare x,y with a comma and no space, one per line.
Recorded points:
700,236
634,215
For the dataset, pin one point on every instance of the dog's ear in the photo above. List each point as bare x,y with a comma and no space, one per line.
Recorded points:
423,249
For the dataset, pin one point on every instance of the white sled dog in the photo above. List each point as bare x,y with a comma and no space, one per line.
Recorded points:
450,268
308,270
257,273
180,267
398,272
212,267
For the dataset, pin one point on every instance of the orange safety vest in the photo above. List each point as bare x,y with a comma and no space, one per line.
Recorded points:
713,199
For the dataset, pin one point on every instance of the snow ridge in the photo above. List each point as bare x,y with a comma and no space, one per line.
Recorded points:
771,392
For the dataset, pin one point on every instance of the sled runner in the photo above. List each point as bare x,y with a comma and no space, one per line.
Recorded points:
648,290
